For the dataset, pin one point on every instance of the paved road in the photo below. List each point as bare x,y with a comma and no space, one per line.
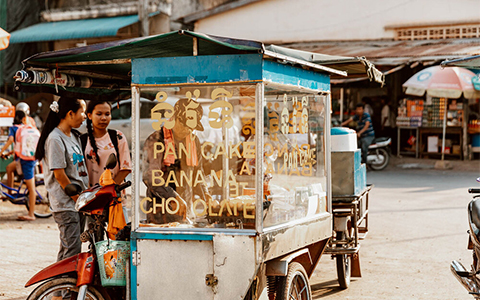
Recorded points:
417,226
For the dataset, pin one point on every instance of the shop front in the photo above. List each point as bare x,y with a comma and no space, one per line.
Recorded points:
438,116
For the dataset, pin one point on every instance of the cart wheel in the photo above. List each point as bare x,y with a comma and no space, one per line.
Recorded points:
343,270
343,264
295,285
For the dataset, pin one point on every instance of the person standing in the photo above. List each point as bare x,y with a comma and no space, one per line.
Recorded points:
386,119
27,164
365,132
22,106
99,142
59,147
367,107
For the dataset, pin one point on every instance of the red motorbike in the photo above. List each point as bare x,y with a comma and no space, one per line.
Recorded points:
78,277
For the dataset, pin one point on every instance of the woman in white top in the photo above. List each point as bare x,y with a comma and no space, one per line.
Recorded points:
99,142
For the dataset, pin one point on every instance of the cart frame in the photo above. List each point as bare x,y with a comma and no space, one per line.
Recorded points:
265,256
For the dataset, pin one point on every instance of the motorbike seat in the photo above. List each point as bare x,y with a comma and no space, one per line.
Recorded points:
474,216
380,139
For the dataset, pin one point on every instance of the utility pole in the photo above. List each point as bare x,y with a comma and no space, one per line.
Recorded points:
143,17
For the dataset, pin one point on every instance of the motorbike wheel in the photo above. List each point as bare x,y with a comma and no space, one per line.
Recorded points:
343,266
66,284
42,204
383,164
295,285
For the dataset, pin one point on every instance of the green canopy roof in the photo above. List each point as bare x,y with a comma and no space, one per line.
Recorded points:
73,29
111,61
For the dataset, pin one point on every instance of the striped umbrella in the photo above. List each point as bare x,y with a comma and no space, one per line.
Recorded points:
4,39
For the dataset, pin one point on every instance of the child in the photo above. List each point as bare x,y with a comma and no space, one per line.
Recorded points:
27,165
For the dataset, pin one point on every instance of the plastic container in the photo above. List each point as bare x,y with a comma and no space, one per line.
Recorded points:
343,139
112,262
476,140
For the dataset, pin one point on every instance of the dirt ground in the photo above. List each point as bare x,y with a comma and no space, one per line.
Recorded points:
417,226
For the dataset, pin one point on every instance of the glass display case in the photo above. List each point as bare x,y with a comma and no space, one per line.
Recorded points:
294,155
198,163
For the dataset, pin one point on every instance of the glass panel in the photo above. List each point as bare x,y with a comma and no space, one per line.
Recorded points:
199,158
294,149
123,111
146,109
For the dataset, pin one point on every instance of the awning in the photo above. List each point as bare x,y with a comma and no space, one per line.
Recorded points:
471,62
395,53
109,64
75,29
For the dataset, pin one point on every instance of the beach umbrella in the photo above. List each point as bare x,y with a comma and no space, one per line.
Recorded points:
436,81
440,82
4,39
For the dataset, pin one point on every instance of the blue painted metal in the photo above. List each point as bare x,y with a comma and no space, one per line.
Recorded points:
197,69
172,236
360,173
74,29
133,269
223,69
290,75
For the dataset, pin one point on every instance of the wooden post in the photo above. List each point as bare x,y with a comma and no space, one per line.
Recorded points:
143,17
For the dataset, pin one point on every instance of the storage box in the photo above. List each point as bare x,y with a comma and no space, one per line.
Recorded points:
343,139
432,144
476,140
349,176
456,149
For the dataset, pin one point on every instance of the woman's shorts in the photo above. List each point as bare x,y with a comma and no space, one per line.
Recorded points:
28,168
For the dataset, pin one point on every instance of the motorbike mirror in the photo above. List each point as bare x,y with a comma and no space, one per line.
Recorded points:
111,161
478,179
73,189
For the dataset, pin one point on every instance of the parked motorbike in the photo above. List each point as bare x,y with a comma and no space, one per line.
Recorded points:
469,278
78,276
379,153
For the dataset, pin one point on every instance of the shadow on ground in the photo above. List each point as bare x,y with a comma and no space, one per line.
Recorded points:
327,288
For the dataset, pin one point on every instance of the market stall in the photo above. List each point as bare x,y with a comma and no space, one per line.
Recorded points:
7,113
472,63
232,187
436,115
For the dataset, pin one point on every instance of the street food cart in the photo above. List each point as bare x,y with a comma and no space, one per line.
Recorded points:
231,189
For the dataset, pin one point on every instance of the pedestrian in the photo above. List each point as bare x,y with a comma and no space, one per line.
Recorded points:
365,132
367,106
25,138
99,142
11,167
59,147
22,106
12,131
386,122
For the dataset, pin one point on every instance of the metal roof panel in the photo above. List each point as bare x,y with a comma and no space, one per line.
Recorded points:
395,52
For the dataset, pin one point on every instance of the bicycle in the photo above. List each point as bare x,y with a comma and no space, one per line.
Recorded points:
19,195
